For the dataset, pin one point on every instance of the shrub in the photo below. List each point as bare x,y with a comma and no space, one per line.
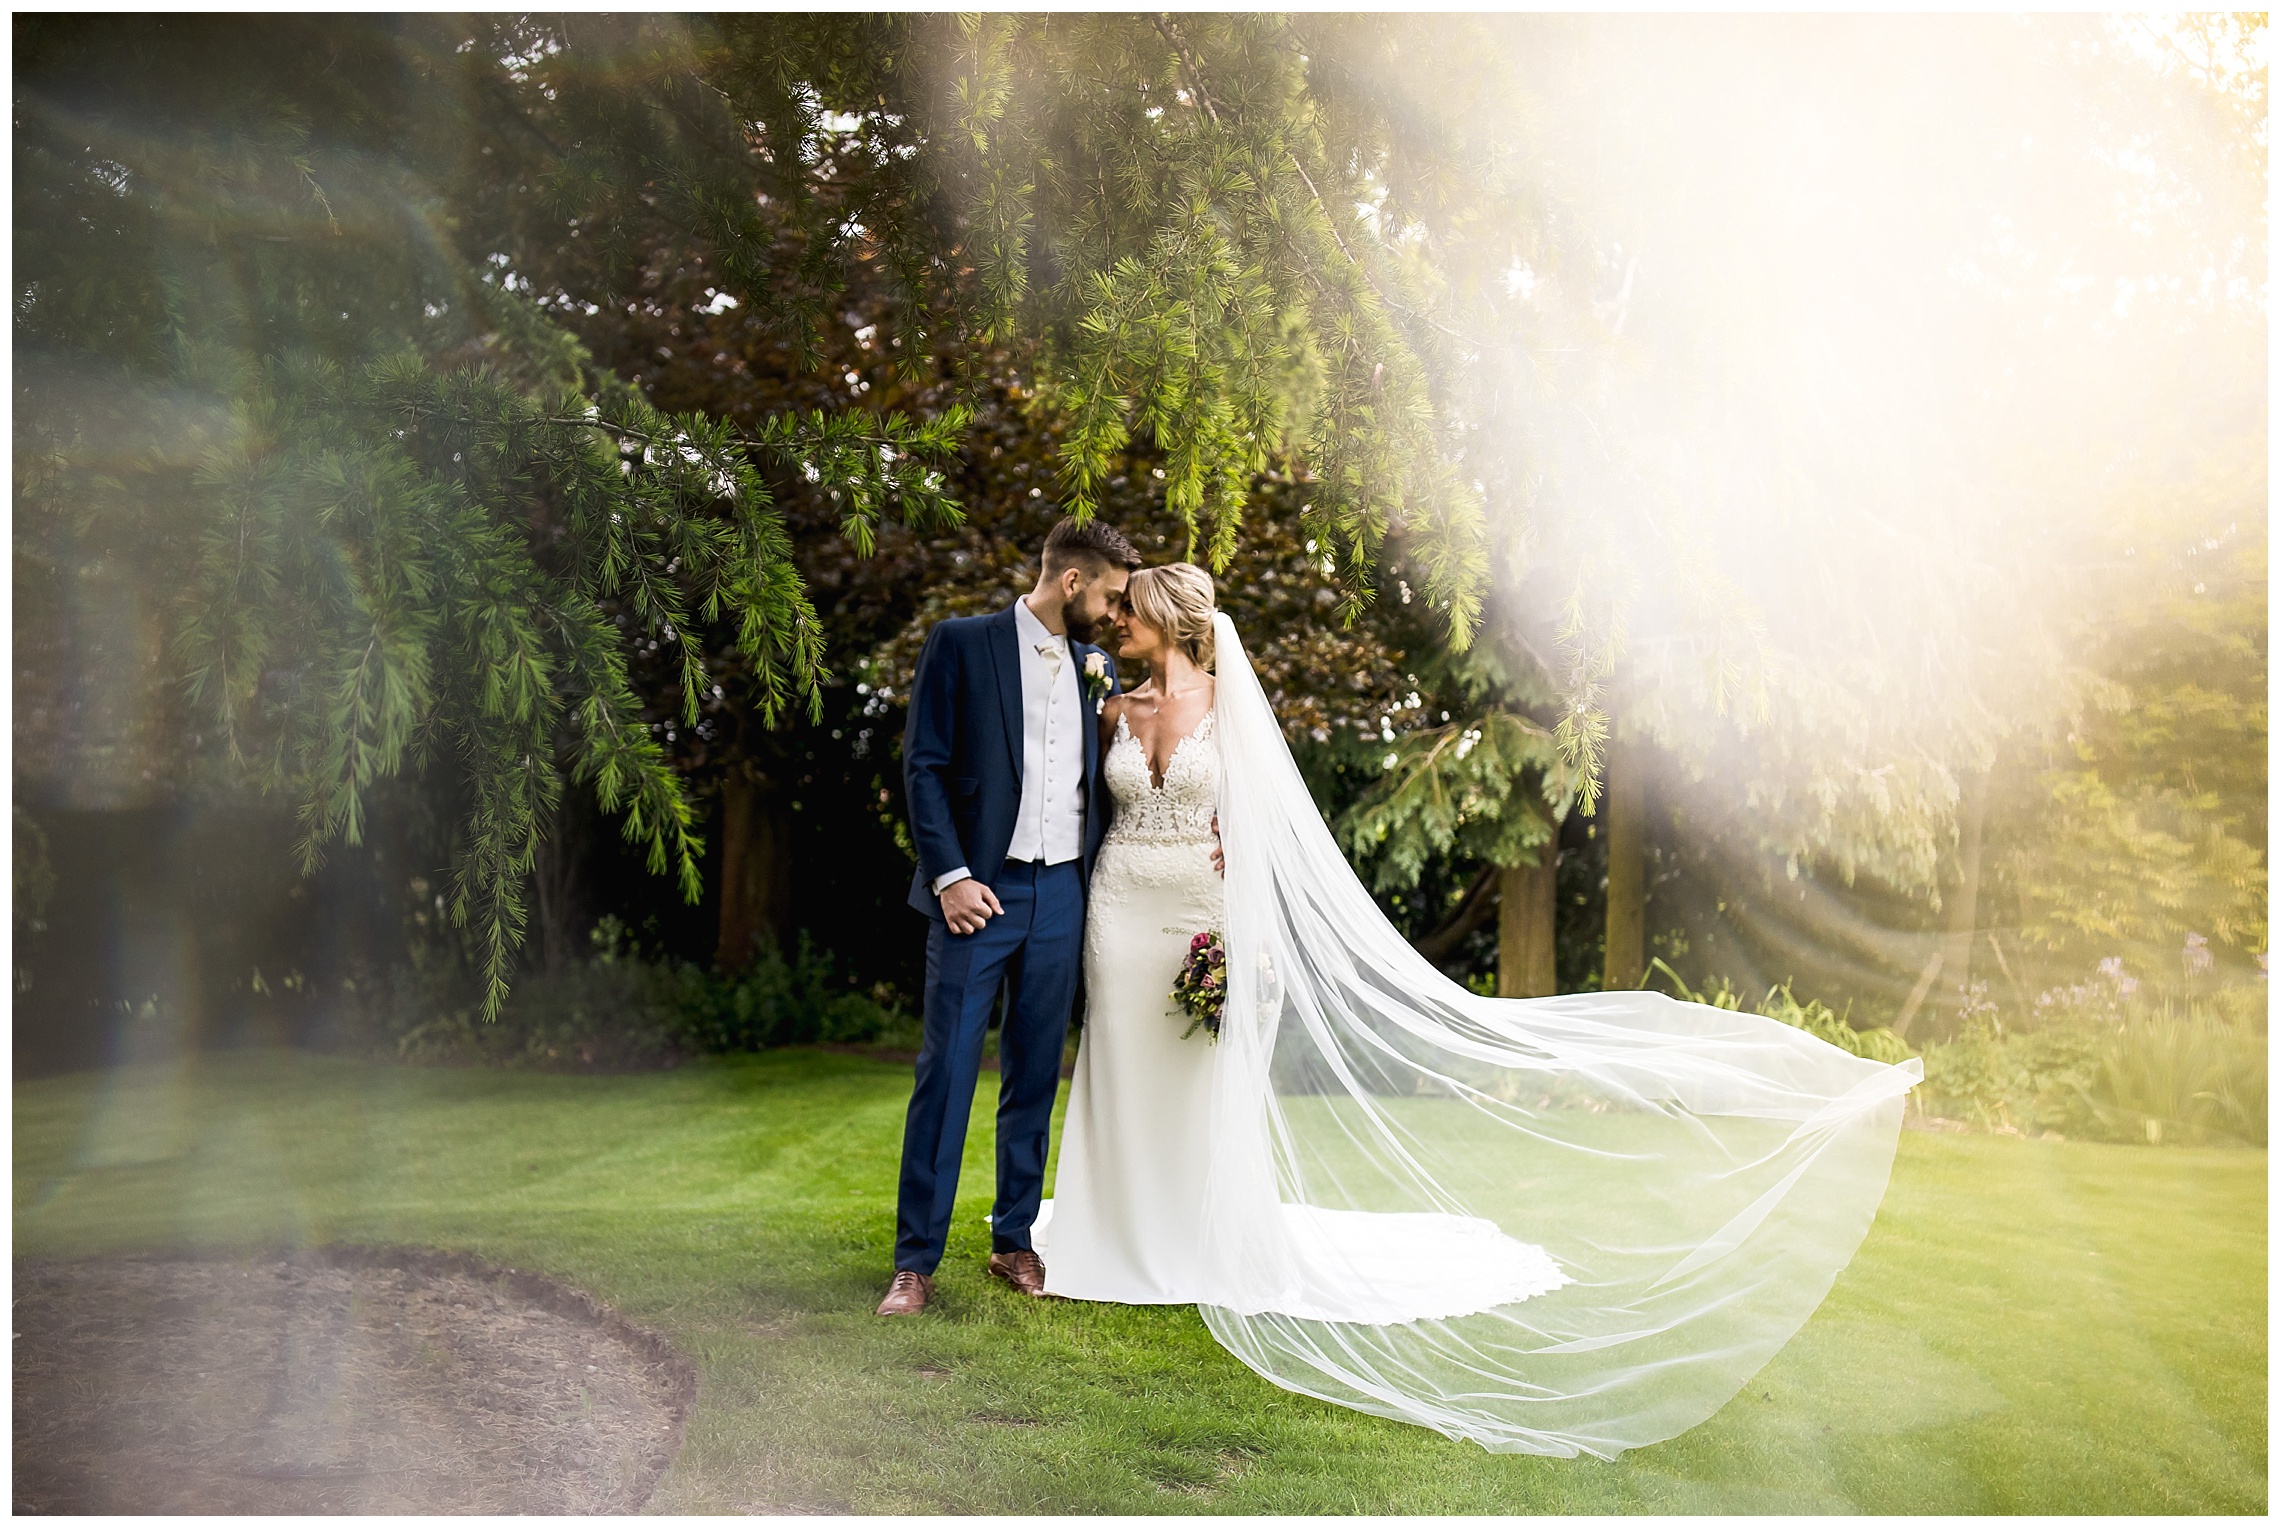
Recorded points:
2024,1082
774,1001
621,1009
605,1013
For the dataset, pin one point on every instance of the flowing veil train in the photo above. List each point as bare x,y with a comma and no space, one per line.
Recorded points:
1553,1225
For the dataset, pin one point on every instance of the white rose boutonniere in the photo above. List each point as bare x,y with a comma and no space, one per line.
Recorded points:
1096,676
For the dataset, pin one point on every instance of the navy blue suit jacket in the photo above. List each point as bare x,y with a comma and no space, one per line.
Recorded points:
962,752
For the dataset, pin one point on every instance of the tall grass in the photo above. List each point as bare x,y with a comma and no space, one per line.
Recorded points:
1813,1016
2198,1078
2152,1076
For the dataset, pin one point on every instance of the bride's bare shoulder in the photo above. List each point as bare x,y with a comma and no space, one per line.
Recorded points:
1113,707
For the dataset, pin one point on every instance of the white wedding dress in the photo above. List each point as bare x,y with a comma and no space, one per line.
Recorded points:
1126,1219
1554,1226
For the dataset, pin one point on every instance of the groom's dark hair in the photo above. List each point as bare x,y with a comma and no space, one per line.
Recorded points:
1071,542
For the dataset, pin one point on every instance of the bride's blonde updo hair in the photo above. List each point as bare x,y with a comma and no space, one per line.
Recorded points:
1177,600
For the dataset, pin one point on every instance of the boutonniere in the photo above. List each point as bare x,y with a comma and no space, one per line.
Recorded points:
1096,676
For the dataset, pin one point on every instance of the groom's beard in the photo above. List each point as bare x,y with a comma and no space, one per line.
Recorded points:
1074,623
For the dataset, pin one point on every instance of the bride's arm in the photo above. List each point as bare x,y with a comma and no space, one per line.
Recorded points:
1218,847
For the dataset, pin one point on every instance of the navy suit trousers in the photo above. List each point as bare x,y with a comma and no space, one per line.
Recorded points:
1033,949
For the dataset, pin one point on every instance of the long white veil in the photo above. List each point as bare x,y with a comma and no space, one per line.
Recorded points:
1555,1225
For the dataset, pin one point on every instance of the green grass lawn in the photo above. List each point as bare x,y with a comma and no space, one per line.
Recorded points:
2031,1326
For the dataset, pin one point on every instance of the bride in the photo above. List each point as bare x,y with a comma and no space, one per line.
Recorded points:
1128,1225
1555,1226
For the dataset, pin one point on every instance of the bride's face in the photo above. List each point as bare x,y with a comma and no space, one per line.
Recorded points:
1135,638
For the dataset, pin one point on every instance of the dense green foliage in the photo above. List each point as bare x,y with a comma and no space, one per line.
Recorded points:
2141,829
1490,786
270,268
2029,1327
375,550
518,409
1165,204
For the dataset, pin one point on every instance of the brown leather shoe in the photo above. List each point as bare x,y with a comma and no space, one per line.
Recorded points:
1024,1270
907,1295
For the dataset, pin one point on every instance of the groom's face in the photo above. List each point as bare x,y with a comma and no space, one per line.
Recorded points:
1098,596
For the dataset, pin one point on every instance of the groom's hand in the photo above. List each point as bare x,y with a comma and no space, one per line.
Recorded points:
967,905
1218,855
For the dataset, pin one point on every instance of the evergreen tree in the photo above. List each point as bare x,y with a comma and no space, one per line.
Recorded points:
1487,786
389,506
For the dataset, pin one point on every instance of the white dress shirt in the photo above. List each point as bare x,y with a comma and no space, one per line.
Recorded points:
1049,825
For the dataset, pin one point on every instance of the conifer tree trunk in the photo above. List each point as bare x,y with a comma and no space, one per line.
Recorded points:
1528,904
1626,869
1963,909
559,908
755,870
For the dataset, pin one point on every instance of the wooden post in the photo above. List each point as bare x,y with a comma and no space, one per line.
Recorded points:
1526,915
1626,832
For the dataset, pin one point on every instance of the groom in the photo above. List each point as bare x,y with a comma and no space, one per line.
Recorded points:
1001,764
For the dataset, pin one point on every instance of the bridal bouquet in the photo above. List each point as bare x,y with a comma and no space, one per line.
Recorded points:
1201,986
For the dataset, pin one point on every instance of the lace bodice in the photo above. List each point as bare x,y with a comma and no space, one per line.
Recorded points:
1177,812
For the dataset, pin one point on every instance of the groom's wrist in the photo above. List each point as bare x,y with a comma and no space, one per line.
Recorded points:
951,878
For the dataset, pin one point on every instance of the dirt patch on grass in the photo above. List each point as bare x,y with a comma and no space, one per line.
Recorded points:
361,1380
